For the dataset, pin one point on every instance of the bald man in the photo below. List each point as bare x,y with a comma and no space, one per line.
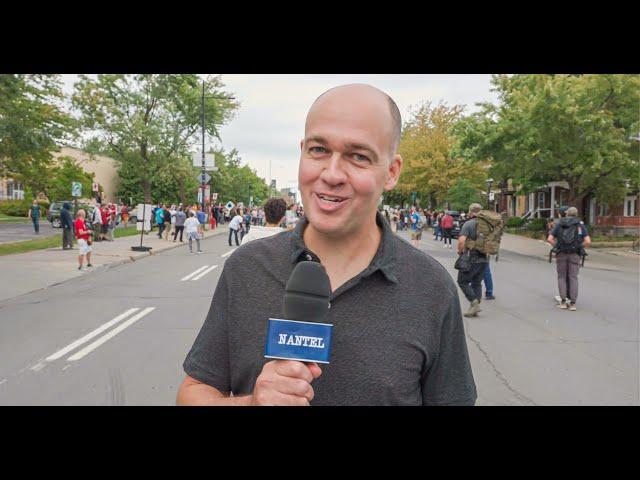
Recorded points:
398,336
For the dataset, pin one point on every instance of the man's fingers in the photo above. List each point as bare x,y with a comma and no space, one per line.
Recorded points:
295,386
315,370
293,368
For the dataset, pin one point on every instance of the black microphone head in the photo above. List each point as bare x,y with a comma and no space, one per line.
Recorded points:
306,296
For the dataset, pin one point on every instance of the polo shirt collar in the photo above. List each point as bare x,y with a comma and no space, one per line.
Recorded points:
384,259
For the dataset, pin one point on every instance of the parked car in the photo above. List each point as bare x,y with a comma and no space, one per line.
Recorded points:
457,224
54,212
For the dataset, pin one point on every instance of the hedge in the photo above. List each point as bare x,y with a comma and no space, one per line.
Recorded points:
515,222
20,208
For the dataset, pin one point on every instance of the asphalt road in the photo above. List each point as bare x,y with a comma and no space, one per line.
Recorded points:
15,232
80,343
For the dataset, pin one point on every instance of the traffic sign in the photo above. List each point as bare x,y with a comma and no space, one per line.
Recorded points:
214,196
209,161
95,187
76,189
203,179
230,205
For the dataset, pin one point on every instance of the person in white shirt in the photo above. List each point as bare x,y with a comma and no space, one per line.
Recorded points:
274,211
191,227
234,226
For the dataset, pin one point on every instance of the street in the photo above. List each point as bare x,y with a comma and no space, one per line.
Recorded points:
119,336
15,232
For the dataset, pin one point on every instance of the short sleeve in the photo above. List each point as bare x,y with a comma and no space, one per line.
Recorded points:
554,231
466,229
449,379
208,359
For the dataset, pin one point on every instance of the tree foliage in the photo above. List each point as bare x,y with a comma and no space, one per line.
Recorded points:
573,128
462,194
148,122
33,123
62,174
236,182
431,165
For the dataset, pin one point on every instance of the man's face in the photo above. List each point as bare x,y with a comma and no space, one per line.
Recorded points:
346,160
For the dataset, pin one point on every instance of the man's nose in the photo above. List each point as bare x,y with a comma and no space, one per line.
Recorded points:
333,173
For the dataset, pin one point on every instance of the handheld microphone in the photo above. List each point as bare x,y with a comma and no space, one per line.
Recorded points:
302,335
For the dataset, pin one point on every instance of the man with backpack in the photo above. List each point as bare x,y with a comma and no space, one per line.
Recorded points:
569,237
479,237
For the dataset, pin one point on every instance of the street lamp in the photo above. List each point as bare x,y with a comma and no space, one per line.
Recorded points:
489,182
203,170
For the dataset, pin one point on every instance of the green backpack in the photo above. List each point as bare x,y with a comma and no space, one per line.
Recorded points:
489,233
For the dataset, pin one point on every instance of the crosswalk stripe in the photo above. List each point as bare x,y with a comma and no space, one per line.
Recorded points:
90,335
200,275
228,253
184,279
89,348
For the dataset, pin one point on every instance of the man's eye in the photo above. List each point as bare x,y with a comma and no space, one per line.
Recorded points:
317,150
361,158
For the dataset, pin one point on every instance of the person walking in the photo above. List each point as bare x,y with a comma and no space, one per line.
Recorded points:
234,226
202,221
96,221
437,231
569,238
447,225
416,228
160,220
191,226
83,236
470,280
111,222
167,221
179,226
275,210
488,283
66,221
124,215
34,215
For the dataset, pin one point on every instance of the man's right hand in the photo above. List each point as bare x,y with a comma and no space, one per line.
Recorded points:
285,382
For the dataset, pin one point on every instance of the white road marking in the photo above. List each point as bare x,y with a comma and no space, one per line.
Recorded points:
228,253
90,335
37,367
200,275
2,381
184,279
91,347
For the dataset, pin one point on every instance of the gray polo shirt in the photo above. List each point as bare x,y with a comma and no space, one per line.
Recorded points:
398,336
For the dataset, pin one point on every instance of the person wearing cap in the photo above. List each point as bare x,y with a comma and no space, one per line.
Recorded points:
470,281
568,262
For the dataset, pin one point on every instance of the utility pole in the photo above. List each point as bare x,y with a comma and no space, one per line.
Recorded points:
203,172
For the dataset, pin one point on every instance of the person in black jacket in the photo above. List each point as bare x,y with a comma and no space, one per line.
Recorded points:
67,226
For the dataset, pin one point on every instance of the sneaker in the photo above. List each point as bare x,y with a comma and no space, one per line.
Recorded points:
558,299
190,251
572,307
199,251
489,297
562,306
89,265
474,308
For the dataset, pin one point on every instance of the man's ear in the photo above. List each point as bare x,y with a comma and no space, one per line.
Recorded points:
393,173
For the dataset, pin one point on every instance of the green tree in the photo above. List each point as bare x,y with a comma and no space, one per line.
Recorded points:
237,182
463,193
573,128
148,122
431,164
62,175
33,122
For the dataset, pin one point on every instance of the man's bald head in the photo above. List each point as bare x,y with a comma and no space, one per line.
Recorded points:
373,93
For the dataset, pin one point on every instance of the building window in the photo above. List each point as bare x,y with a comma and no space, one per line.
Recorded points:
630,204
541,200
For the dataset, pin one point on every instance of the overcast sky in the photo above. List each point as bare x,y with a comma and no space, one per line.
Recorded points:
269,125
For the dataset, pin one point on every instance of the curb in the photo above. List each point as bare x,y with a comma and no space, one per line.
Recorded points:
102,268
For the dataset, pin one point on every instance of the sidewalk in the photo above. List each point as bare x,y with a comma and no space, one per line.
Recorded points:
27,272
603,259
